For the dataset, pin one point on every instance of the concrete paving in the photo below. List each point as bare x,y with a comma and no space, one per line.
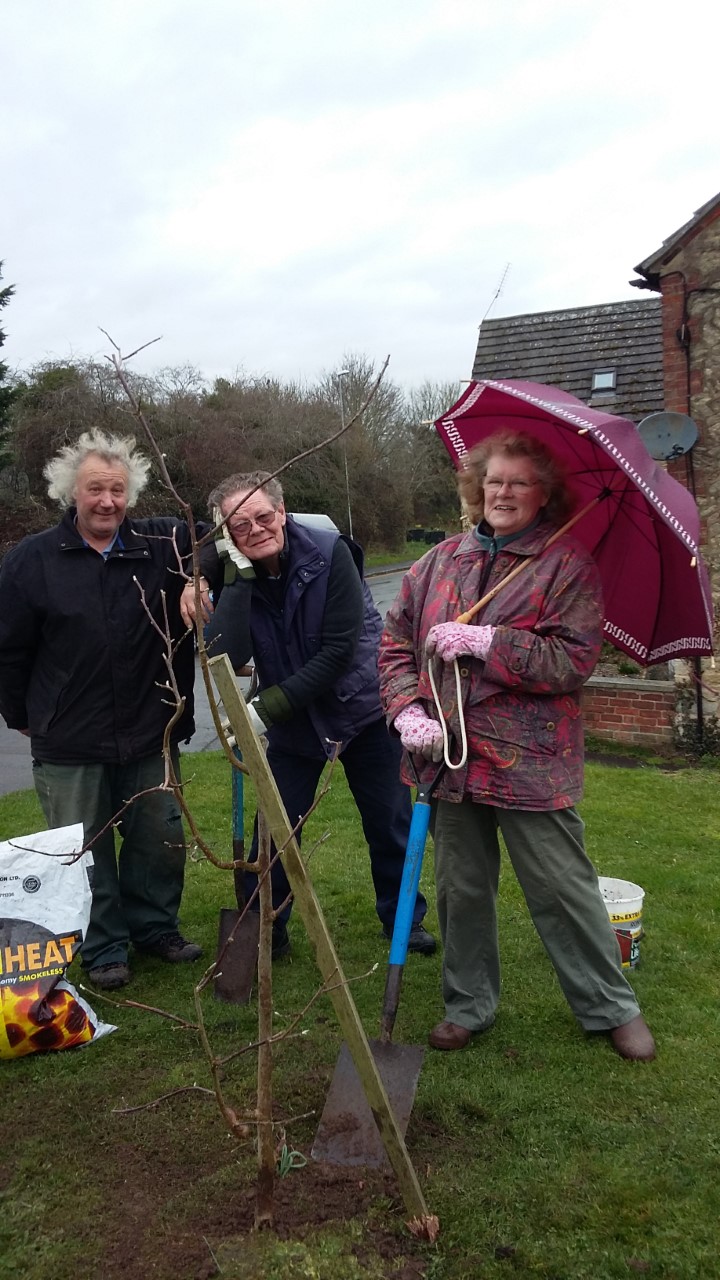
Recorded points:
15,759
15,762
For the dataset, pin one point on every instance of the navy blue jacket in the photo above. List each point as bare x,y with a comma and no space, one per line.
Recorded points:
330,682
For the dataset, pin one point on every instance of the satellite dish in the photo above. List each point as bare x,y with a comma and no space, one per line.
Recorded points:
667,435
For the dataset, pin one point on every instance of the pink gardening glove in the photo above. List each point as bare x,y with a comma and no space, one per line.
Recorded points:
451,639
420,735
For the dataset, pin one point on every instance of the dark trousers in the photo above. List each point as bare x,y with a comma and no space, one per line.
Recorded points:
136,894
372,766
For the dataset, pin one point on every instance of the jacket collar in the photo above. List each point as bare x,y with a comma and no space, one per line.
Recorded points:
71,540
529,542
300,554
490,542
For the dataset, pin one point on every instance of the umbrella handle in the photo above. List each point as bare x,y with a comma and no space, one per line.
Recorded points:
490,595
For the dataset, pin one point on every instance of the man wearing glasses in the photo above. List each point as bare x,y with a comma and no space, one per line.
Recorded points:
299,607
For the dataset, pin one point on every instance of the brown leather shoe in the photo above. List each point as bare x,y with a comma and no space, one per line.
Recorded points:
634,1040
448,1035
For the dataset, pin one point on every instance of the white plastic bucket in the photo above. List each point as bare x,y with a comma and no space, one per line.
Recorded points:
624,902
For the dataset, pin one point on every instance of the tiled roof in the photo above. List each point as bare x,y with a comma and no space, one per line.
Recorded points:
649,268
565,348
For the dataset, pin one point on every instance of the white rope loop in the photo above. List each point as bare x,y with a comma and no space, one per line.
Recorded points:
443,723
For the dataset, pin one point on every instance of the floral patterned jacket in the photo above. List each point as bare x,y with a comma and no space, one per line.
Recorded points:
522,705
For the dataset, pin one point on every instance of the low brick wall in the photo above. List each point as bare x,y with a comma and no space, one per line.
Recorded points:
626,710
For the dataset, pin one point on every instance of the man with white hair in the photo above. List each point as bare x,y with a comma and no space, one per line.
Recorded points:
83,675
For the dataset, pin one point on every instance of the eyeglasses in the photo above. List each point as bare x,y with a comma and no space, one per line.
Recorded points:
515,486
242,528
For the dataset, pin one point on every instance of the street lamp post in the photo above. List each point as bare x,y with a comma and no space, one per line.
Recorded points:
345,373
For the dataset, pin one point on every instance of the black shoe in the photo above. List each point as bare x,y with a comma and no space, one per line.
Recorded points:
108,977
420,941
280,941
171,947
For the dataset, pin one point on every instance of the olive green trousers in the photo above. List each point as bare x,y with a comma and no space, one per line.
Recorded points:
136,892
560,885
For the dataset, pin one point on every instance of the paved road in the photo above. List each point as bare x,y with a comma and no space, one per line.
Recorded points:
15,762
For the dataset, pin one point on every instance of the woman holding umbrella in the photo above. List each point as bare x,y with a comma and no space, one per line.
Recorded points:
509,687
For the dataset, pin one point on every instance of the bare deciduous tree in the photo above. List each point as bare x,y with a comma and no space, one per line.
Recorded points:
257,1118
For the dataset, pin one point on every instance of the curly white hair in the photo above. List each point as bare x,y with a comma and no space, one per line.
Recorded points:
61,472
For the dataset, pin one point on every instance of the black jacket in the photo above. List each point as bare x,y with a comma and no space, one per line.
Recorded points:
80,661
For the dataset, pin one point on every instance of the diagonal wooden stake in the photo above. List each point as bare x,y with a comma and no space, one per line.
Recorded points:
326,957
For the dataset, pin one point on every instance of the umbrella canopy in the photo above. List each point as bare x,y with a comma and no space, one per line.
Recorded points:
644,530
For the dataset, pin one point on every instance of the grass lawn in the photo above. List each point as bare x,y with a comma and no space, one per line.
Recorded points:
543,1154
405,553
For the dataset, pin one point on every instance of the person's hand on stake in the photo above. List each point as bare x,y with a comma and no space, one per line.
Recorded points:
187,603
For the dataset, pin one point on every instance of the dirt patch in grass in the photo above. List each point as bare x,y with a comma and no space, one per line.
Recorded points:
185,1246
315,1197
164,1193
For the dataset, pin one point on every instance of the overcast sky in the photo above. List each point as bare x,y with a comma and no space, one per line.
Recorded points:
271,184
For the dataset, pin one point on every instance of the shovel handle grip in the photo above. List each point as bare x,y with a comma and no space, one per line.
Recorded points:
238,830
403,916
391,1000
410,881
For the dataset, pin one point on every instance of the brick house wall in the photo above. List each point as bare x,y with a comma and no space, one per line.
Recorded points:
640,712
686,273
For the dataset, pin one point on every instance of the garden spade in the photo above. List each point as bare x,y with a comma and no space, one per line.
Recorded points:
238,934
347,1133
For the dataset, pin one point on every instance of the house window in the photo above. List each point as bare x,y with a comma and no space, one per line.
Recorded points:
604,380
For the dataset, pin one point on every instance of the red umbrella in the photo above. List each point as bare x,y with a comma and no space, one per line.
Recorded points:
641,526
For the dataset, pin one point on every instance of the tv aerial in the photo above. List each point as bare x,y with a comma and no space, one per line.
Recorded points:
667,435
497,292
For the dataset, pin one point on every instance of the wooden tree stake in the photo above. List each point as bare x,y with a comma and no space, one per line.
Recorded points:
307,904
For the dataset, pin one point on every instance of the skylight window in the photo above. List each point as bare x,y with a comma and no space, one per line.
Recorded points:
604,380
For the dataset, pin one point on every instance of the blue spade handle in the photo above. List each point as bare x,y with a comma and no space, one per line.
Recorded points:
238,831
410,881
238,808
406,904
